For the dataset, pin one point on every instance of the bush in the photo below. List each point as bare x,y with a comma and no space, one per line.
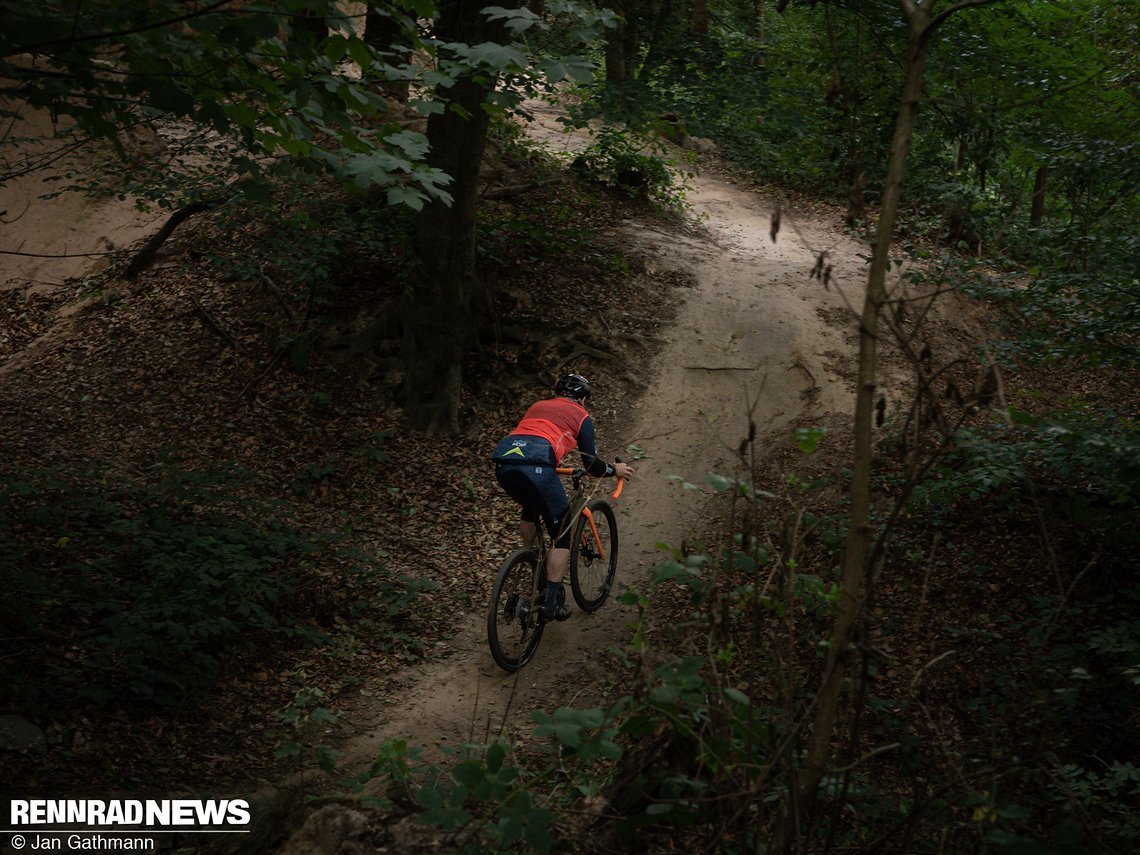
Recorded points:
615,159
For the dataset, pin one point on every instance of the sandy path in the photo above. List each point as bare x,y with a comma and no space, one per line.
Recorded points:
63,237
752,329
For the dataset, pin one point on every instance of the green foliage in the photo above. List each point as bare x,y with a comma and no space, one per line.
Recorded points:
232,102
305,713
143,588
275,95
1091,470
616,158
484,801
1069,788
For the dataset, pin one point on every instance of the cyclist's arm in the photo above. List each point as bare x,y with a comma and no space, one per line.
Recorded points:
588,448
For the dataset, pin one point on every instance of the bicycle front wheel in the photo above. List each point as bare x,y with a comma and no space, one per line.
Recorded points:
514,627
593,555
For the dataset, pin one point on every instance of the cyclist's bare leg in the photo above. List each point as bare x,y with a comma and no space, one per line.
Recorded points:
527,531
557,563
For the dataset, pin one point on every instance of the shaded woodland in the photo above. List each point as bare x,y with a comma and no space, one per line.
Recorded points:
914,629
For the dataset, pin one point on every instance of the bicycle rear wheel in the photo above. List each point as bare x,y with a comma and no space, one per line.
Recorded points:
514,627
593,561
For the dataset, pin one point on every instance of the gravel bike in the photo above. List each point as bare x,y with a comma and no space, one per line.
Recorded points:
514,618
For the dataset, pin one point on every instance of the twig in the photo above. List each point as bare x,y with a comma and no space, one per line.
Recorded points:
517,189
882,749
719,368
918,674
145,256
1068,592
277,295
212,324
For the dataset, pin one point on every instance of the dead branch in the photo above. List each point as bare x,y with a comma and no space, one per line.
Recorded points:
720,367
213,325
510,192
277,295
917,678
144,258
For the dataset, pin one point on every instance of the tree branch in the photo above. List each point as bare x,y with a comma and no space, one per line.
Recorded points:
941,17
145,256
94,37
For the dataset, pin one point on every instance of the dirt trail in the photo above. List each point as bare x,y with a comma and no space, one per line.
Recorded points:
754,328
62,237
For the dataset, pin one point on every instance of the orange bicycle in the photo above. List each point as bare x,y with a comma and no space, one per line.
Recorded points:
514,620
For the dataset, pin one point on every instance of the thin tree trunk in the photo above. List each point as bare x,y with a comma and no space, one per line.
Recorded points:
439,324
616,68
312,23
852,595
699,19
1040,183
656,36
384,32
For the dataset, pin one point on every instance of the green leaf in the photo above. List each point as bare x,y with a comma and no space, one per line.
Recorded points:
402,194
496,753
566,725
322,715
808,439
737,696
361,54
469,773
719,482
411,143
516,20
286,750
495,57
327,757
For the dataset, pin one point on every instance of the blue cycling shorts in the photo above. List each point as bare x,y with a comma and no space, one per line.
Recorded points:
540,492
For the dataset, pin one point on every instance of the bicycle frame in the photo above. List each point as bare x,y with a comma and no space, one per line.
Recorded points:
582,501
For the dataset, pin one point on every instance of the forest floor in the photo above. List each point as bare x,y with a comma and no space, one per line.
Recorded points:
719,325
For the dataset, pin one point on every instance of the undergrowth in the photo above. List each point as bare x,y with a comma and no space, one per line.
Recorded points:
144,589
991,710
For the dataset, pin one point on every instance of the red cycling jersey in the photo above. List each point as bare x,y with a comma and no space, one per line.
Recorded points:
557,420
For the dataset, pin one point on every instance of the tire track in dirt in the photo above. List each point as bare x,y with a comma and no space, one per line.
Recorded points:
756,331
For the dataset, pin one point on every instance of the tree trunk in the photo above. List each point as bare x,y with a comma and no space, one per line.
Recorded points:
1040,183
439,321
699,19
656,37
852,595
383,32
312,23
616,69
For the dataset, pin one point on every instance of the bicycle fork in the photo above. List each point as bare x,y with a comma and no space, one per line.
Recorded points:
589,515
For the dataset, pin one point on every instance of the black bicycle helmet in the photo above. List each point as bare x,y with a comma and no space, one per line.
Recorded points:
573,386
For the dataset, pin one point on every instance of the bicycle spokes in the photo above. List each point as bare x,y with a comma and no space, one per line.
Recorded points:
593,557
513,619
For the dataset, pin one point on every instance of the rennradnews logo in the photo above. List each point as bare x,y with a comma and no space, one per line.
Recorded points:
156,813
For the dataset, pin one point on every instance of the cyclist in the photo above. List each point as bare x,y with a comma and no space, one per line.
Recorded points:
525,463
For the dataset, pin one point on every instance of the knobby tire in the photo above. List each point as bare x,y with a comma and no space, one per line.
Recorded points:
514,627
591,575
